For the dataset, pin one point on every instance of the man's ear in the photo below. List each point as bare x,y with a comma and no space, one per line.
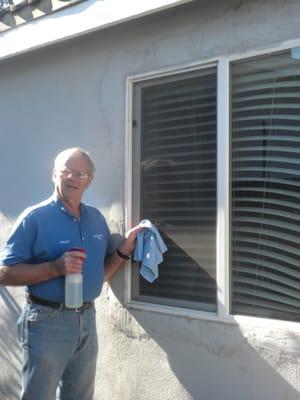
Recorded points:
53,175
90,180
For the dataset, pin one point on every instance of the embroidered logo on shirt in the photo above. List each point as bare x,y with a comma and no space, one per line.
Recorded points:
98,236
64,242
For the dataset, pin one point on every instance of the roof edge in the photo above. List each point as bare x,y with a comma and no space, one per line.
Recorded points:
75,21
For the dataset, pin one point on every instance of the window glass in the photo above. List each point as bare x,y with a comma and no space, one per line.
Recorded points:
175,153
266,186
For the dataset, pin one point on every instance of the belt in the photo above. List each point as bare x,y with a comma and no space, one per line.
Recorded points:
58,306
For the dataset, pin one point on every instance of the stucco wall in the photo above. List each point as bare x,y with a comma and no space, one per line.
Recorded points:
74,94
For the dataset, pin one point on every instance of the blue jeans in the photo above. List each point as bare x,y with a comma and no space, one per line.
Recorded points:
60,352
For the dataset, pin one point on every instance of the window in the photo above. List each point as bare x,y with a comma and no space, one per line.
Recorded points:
174,185
175,149
266,186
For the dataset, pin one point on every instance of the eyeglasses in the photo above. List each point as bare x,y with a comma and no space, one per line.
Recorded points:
81,176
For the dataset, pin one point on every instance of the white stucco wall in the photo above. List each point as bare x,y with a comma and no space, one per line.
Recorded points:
74,94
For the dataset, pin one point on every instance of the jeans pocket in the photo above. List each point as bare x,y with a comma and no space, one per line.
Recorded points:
32,314
40,313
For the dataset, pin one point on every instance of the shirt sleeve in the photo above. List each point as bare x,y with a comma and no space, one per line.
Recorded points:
18,247
114,241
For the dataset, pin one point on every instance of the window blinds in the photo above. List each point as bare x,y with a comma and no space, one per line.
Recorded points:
178,185
266,187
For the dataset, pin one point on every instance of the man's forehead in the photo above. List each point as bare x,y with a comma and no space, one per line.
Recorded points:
75,159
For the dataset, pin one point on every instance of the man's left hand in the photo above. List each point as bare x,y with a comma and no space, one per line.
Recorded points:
128,245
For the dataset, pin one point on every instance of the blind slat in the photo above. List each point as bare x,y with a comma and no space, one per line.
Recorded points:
178,185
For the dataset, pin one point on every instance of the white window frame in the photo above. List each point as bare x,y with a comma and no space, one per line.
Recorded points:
223,193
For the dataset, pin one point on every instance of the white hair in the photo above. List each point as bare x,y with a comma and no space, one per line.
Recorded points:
64,155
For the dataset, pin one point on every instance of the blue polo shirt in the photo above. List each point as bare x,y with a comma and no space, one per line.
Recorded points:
47,230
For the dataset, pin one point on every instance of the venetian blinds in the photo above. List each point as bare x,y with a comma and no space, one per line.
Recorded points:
266,186
177,125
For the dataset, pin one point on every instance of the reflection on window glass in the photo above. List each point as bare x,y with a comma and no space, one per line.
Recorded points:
266,186
178,186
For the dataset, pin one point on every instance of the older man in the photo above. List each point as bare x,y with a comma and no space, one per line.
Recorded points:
59,343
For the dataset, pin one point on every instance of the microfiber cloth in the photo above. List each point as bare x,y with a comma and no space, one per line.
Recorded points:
149,250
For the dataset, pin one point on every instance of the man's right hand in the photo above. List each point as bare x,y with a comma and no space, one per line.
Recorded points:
71,262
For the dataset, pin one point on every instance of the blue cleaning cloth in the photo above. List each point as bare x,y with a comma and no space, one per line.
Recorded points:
149,249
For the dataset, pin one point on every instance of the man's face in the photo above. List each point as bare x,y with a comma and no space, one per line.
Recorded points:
72,177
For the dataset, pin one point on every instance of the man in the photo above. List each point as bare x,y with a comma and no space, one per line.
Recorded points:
60,344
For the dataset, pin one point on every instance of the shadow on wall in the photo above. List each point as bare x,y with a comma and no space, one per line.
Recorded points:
10,353
213,360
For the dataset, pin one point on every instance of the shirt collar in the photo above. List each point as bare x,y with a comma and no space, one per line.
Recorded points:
57,201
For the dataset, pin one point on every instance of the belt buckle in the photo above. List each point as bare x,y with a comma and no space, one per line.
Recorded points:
78,309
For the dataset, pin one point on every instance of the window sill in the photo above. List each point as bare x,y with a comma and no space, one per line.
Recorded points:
180,312
237,320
